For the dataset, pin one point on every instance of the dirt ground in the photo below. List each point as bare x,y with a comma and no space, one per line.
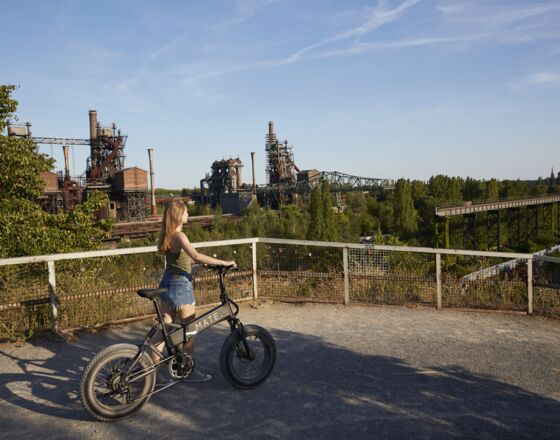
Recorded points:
341,373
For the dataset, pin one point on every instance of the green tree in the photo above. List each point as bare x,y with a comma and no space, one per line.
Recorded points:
330,229
25,229
316,221
492,189
445,189
473,190
404,214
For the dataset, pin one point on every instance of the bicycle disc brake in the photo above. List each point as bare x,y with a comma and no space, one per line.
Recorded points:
181,366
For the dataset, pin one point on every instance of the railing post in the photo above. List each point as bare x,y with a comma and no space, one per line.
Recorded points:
438,282
346,279
529,286
52,297
254,252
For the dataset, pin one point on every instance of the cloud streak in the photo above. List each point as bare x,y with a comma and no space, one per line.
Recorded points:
537,79
464,25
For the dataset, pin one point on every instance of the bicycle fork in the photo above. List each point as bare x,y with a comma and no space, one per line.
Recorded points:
236,325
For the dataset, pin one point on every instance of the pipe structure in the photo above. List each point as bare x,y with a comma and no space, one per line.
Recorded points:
66,162
153,190
253,170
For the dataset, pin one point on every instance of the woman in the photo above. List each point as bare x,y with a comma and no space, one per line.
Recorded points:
178,302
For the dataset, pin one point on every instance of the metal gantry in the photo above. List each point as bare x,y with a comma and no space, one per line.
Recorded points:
346,182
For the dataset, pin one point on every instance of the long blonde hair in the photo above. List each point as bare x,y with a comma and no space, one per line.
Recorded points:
172,218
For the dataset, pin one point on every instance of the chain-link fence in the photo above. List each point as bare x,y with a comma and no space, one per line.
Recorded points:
484,282
92,288
546,286
314,273
387,277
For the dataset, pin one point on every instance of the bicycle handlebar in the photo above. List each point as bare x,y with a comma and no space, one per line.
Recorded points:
220,267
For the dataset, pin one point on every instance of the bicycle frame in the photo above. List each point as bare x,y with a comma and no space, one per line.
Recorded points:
181,333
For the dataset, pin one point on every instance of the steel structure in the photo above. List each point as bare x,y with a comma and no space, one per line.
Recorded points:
284,180
346,182
280,168
473,208
60,141
538,216
104,167
225,178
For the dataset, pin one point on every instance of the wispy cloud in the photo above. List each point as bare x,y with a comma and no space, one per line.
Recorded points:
544,78
538,79
455,25
378,17
450,8
473,24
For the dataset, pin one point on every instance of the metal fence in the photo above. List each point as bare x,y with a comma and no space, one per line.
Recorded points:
87,289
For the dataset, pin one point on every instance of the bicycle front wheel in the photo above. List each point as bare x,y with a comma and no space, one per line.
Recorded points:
247,369
108,390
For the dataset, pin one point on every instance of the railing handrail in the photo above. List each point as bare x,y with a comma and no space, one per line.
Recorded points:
239,241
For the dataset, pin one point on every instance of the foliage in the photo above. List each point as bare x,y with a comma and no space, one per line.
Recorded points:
25,229
404,214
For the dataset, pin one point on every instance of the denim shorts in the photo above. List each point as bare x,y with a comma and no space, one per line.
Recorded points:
179,289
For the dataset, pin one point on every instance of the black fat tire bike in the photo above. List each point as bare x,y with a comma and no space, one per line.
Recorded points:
121,378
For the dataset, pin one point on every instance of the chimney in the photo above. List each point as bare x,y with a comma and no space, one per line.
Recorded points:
271,138
92,124
253,170
66,163
153,190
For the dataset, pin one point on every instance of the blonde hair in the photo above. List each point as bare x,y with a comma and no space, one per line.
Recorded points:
172,218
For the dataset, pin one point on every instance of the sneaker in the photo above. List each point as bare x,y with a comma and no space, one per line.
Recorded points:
198,376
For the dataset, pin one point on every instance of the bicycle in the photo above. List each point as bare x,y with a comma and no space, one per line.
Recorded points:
121,378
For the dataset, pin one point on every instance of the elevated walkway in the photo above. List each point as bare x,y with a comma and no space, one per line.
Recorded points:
473,208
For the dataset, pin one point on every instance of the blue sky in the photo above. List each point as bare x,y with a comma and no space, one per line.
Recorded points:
388,88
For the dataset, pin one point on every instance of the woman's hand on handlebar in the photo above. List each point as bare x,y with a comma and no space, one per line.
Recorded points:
226,264
231,264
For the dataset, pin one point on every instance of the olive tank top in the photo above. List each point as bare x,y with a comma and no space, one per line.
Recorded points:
177,262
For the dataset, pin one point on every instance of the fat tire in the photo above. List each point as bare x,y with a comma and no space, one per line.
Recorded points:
229,353
87,396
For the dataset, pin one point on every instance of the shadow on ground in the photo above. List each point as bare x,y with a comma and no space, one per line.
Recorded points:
317,390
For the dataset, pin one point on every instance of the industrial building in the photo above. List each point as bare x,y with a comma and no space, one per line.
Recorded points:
127,188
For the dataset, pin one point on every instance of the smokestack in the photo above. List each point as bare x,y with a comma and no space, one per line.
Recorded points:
271,135
253,170
66,163
92,124
153,192
239,179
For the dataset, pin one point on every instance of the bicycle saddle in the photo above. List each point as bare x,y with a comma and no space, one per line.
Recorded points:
150,293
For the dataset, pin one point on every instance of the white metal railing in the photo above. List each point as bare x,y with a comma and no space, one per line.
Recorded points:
51,259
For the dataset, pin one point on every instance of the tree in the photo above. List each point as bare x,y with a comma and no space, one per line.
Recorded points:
25,229
492,190
445,189
473,190
330,229
404,214
316,221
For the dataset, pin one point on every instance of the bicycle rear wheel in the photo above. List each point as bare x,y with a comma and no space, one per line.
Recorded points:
248,370
107,392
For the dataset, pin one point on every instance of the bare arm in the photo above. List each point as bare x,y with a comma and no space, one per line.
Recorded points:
186,245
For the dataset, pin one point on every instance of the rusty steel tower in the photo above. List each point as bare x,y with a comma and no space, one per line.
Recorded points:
280,166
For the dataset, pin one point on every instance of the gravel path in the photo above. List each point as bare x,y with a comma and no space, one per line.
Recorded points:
341,373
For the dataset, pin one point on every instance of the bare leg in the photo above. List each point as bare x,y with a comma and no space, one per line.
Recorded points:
168,317
186,314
